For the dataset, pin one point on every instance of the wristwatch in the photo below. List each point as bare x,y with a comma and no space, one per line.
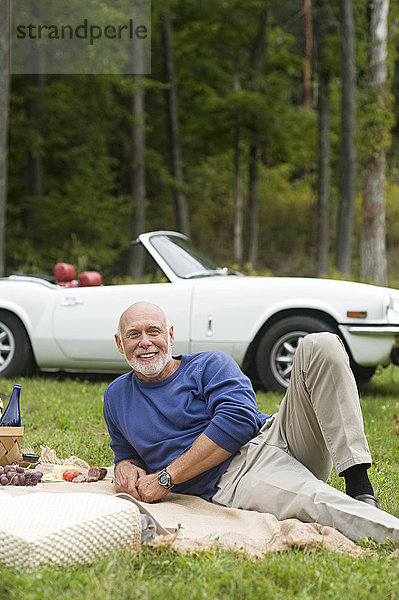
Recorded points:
165,479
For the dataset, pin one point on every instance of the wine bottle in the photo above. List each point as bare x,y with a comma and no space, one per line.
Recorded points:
12,414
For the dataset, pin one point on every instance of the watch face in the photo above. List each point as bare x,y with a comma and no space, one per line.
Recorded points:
164,478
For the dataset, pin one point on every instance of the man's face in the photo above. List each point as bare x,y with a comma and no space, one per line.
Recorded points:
146,342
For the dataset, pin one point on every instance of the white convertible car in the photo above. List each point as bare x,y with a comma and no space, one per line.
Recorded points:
49,324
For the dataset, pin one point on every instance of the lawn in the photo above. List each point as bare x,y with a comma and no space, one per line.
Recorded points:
65,413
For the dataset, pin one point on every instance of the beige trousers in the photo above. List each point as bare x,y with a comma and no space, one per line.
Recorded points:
284,468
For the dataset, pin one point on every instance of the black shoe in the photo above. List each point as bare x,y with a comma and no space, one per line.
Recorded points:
368,499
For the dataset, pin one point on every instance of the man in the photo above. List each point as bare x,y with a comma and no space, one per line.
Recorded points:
190,424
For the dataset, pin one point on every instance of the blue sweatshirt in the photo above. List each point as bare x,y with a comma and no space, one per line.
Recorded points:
156,422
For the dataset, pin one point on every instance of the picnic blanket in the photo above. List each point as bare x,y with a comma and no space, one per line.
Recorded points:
205,525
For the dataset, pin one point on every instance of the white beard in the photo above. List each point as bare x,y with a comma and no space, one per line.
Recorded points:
155,367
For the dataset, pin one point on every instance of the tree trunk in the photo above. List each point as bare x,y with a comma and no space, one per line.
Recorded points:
307,55
253,204
348,152
258,61
138,182
373,242
323,191
174,136
238,203
238,199
4,108
34,171
32,216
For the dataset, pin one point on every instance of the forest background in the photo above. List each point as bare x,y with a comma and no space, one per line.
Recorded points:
261,132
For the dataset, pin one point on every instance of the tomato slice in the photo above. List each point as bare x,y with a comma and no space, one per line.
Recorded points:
67,476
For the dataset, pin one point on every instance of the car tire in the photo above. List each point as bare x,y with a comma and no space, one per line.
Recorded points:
277,347
362,374
16,356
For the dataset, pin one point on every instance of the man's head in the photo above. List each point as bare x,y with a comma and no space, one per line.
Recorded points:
145,337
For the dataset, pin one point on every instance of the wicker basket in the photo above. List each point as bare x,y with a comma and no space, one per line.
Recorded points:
10,444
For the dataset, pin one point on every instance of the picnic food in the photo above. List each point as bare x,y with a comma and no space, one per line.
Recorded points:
68,476
16,475
98,472
93,474
49,456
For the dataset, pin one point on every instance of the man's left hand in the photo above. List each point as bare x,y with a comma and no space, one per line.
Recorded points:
149,489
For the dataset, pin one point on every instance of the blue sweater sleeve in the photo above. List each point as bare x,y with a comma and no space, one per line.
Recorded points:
231,403
120,446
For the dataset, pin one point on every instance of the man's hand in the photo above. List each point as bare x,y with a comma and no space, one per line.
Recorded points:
149,489
126,476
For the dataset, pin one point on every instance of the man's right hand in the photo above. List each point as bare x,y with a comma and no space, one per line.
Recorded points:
126,476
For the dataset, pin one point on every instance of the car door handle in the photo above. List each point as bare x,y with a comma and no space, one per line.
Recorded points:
70,301
209,332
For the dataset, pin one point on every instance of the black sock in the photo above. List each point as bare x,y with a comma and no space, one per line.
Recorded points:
357,481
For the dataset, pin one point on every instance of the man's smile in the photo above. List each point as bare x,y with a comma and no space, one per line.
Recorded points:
147,355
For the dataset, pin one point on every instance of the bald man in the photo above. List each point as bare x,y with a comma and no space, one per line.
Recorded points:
190,424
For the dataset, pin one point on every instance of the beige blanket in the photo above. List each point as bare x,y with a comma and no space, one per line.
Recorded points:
205,525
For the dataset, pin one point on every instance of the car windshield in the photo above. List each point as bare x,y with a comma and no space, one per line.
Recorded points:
183,259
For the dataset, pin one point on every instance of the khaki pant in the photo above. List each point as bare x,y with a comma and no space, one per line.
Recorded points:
284,468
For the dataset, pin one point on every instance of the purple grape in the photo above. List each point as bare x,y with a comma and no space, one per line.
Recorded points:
16,475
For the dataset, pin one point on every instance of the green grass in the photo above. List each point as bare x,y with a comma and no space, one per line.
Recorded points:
65,413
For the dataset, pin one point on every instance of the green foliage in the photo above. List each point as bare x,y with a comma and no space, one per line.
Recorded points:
80,204
80,127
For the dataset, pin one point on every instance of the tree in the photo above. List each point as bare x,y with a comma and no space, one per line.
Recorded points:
373,244
238,217
307,55
258,61
323,183
173,119
348,151
138,172
4,108
32,214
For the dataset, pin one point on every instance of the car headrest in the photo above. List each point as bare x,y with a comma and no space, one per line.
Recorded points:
64,272
90,278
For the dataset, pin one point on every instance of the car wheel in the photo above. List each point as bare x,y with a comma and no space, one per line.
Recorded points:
276,350
16,357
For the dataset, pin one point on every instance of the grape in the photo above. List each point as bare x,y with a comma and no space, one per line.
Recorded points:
16,475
